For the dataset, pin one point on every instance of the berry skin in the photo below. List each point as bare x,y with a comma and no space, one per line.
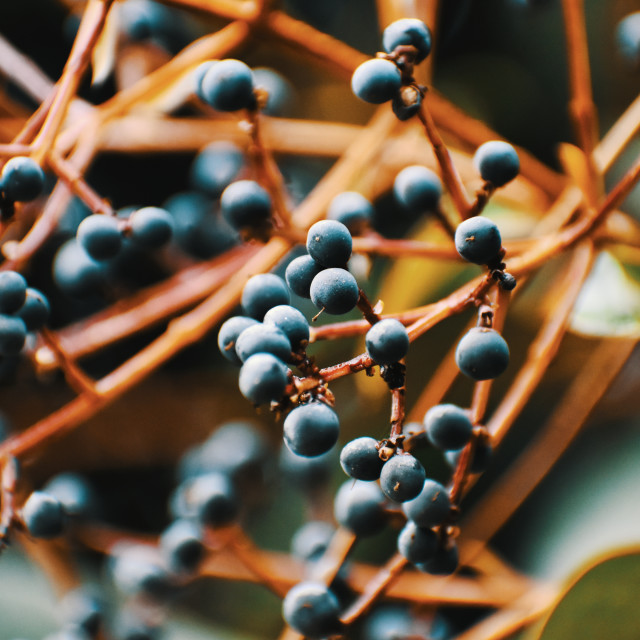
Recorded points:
22,180
443,563
43,515
74,493
351,209
75,271
335,291
214,499
261,338
628,39
478,240
482,354
13,291
151,227
408,31
35,310
417,544
83,610
291,322
13,333
281,93
312,610
263,378
402,478
181,546
417,189
359,459
263,292
387,341
360,507
245,204
100,236
198,76
329,243
497,162
228,336
215,167
311,540
482,453
311,429
138,569
389,622
228,86
376,81
300,273
448,427
431,507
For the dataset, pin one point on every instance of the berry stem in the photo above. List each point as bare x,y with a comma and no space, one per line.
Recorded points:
397,413
366,308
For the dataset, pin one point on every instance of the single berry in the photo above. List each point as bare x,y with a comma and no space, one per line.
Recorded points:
497,162
387,341
448,427
360,507
431,507
406,103
35,310
281,95
198,76
263,292
245,204
181,546
417,189
482,354
143,19
138,569
417,544
390,622
311,609
478,240
151,227
352,209
228,86
376,81
402,478
628,39
43,515
408,31
215,501
215,167
291,322
311,540
334,291
359,459
263,338
263,378
75,494
75,271
13,291
13,333
481,457
300,273
311,429
228,336
444,562
306,474
83,609
22,179
329,243
100,236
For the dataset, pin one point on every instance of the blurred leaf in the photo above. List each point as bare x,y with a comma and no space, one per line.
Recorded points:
104,53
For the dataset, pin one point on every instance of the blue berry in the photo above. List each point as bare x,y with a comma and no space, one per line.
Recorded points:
198,76
387,341
22,179
263,338
43,515
482,354
281,94
376,81
75,494
245,204
181,546
448,427
497,162
311,540
628,39
228,86
83,610
214,498
75,271
151,227
311,609
13,291
359,459
291,322
263,378
334,291
480,460
215,167
142,19
418,189
35,310
138,569
13,333
431,507
263,292
229,333
478,240
351,209
306,474
408,31
360,507
402,478
389,622
100,236
417,544
300,273
406,103
311,429
443,563
329,243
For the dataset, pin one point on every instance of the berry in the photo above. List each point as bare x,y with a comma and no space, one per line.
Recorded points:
482,354
389,622
214,499
43,515
431,507
402,478
228,336
406,103
448,427
628,39
376,81
351,209
74,493
22,180
142,19
334,291
75,271
228,86
387,341
478,240
262,338
215,167
280,92
482,453
198,76
497,162
329,243
181,546
360,507
13,333
263,378
307,474
129,626
82,610
13,291
35,310
291,322
245,204
359,459
417,544
408,31
151,227
263,292
311,540
417,189
300,273
312,610
100,236
138,569
443,563
311,429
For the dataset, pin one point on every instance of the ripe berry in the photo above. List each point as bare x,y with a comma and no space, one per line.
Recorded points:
497,162
376,81
13,291
329,243
360,507
181,546
151,227
215,501
482,354
402,478
228,336
261,338
311,540
335,291
263,378
418,189
263,292
281,95
478,240
75,494
312,610
215,167
417,544
359,459
13,333
444,562
387,341
311,429
75,271
431,507
448,427
245,204
83,610
408,31
291,322
406,103
22,179
352,209
306,474
35,310
139,569
300,273
43,515
228,86
391,622
100,236
628,39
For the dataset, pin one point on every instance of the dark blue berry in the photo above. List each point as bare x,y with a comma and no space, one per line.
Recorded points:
311,540
402,478
497,162
82,609
311,429
13,291
215,167
306,474
100,236
141,19
22,179
263,292
352,209
334,291
198,76
417,544
360,507
138,569
478,240
263,338
75,271
35,310
281,96
263,378
376,81
151,227
406,103
628,39
482,452
311,609
418,189
431,507
245,204
300,273
214,499
228,86
329,243
43,515
291,322
448,427
444,562
389,622
482,354
13,333
228,336
359,459
387,341
181,546
75,494
408,31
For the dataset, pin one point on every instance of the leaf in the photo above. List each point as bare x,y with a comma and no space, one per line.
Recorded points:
104,53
